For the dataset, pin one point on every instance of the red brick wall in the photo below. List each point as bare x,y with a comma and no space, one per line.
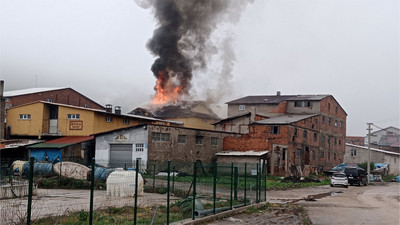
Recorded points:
282,108
64,96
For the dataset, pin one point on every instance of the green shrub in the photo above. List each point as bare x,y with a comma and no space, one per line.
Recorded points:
364,165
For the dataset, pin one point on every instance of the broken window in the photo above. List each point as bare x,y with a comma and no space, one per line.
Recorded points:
305,134
275,130
353,152
308,103
334,156
329,156
329,120
323,119
181,139
295,132
24,116
341,124
335,140
322,155
214,141
298,104
199,140
336,123
315,136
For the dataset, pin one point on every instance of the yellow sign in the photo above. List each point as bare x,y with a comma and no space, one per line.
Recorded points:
75,125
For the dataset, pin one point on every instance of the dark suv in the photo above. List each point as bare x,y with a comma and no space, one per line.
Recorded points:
356,176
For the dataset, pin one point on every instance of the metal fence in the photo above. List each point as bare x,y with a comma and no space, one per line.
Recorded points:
113,193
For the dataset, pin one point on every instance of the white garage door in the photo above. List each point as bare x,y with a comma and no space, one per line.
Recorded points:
121,155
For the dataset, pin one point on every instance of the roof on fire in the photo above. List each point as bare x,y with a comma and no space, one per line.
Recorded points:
276,99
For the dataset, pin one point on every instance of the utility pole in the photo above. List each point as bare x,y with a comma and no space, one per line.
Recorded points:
369,151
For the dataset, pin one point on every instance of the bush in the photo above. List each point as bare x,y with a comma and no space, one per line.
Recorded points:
364,165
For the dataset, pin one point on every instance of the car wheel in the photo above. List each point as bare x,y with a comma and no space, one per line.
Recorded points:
346,186
331,185
360,183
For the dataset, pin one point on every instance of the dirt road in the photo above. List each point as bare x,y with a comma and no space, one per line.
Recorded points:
374,204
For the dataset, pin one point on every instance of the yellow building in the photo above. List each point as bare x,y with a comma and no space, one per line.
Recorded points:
53,119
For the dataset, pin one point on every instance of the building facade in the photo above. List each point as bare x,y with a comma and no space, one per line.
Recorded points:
44,119
303,133
158,144
359,154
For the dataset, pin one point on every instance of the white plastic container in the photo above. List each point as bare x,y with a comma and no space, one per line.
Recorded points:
122,183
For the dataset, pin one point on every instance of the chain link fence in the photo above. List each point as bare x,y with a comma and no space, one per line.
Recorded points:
113,193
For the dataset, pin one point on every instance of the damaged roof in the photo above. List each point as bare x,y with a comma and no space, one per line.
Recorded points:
29,91
183,109
285,119
276,99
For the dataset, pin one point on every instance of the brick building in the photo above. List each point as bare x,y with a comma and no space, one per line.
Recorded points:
303,133
60,95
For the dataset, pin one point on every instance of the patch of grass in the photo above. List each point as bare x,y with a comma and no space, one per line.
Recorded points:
66,183
389,177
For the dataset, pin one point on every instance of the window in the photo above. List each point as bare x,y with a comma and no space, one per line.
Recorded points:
24,116
329,120
298,153
353,152
329,139
296,132
275,129
322,155
323,119
335,123
313,155
323,139
298,104
341,124
139,147
329,156
242,107
73,116
305,134
336,110
335,140
315,136
7,99
329,106
334,156
86,106
340,142
49,100
126,121
160,137
108,119
308,103
181,139
214,141
199,140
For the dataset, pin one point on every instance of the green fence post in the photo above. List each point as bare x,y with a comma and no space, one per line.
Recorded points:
169,177
231,206
265,184
194,188
173,179
257,183
154,177
136,191
236,180
30,190
215,186
91,192
245,183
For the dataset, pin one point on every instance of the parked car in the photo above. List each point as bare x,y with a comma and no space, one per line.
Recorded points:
356,176
339,179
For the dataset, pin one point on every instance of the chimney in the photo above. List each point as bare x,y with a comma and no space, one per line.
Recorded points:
109,108
118,110
278,93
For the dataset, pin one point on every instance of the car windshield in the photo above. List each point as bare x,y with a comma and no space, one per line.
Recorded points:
351,171
339,175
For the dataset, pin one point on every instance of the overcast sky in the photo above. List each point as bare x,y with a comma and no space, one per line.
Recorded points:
346,48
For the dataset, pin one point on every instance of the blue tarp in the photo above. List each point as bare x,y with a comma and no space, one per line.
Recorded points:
101,173
38,169
50,155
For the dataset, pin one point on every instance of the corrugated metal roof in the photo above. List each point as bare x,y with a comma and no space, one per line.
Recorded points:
275,99
29,91
373,149
245,153
63,142
285,119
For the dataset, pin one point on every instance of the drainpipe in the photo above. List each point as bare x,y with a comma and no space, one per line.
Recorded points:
2,110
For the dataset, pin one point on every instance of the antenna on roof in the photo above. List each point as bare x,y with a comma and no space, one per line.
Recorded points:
36,80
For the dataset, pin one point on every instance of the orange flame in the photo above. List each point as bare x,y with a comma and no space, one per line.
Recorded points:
166,91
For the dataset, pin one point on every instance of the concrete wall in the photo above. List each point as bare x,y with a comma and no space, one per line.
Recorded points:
127,136
376,156
263,109
315,108
236,125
